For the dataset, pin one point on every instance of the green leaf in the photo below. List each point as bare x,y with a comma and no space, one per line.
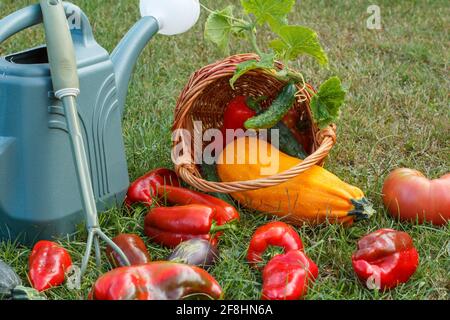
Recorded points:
218,27
297,40
325,105
274,12
266,62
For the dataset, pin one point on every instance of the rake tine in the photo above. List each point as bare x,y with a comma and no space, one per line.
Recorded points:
87,253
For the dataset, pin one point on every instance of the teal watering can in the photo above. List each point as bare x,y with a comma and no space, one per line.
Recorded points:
39,196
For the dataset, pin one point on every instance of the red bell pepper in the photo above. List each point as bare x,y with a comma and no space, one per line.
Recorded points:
143,189
155,281
275,233
132,246
385,258
235,115
47,264
173,225
287,276
181,196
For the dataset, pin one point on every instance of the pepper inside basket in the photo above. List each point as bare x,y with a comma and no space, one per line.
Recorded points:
205,98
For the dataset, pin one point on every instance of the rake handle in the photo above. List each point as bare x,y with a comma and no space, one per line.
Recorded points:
60,48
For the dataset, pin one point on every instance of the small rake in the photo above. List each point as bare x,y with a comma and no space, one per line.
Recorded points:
61,55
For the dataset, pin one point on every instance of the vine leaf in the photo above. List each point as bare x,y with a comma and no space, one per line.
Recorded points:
297,40
218,27
326,104
274,12
266,62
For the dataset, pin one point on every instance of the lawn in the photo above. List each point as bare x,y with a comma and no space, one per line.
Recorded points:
396,114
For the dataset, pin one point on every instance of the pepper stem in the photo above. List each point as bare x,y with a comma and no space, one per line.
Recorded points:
224,227
253,104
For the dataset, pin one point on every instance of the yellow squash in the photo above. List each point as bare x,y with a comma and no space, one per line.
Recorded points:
314,196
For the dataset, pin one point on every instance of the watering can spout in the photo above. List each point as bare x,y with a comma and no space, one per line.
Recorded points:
126,53
168,17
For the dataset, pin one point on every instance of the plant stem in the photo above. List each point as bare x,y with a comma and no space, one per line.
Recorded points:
297,77
223,15
254,42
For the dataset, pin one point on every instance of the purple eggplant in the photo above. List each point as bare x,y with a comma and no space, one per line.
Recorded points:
195,252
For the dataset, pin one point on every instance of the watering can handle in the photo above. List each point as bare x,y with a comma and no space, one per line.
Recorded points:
32,15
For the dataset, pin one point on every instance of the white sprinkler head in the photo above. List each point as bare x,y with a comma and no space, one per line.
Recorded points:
174,16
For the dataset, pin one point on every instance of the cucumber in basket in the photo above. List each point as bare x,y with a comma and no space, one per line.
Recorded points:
287,143
271,119
280,106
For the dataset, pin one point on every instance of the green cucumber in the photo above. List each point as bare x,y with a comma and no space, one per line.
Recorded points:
276,111
287,143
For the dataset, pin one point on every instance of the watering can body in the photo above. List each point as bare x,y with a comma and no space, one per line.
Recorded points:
39,196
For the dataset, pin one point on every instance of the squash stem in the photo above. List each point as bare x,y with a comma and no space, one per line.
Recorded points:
363,209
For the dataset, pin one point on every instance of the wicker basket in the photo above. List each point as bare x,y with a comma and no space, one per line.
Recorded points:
204,99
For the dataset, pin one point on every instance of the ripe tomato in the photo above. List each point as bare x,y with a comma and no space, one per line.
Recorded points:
408,194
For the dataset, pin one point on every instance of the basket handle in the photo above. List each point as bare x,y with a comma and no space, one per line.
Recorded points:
189,173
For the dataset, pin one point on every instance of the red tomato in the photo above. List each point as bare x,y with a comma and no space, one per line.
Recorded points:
408,194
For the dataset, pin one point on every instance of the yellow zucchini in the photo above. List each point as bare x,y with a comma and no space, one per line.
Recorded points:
314,196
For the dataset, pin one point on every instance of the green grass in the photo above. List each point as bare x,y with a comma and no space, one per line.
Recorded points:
396,114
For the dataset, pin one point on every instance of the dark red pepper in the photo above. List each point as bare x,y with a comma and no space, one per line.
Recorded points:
181,196
235,115
173,225
287,276
143,190
48,264
155,281
292,120
385,258
275,233
132,246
